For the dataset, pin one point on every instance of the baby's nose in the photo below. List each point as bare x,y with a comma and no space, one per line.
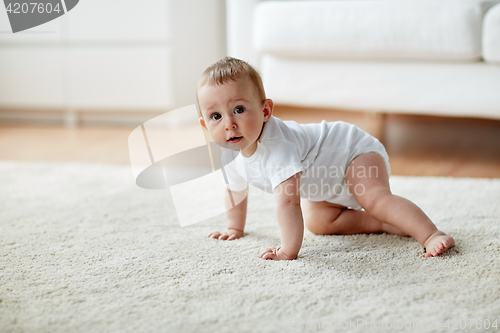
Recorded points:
230,125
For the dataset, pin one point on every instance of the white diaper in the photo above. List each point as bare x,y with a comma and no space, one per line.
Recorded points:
325,179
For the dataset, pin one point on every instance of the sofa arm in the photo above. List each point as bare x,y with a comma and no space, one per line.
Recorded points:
239,20
491,35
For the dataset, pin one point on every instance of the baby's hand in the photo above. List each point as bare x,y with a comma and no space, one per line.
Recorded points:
229,234
275,254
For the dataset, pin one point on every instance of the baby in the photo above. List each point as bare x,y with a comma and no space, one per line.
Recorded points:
340,172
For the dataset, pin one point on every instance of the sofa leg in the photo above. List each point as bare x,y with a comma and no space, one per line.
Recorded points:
377,121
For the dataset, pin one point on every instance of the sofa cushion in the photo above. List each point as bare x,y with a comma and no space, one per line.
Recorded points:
491,35
422,29
435,88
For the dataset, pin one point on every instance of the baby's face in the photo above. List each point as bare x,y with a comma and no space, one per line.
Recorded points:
234,113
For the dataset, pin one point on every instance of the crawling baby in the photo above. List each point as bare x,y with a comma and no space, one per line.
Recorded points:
340,172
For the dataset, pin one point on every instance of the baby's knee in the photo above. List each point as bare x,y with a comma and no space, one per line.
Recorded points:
319,217
319,225
315,226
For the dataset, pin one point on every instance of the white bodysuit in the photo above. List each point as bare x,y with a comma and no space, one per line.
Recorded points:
320,152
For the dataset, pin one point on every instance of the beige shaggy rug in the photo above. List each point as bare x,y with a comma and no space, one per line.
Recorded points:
82,249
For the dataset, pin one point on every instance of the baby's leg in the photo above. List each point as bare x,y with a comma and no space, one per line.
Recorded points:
368,181
324,218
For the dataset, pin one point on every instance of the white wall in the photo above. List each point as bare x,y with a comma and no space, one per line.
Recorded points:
112,55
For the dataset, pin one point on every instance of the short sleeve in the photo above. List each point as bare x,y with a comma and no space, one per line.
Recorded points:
281,160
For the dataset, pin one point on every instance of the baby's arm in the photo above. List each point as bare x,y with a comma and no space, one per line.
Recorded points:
289,216
236,217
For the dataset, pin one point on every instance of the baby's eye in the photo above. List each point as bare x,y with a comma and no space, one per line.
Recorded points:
216,116
239,109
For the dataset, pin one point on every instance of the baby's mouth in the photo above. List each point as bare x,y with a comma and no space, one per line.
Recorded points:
235,139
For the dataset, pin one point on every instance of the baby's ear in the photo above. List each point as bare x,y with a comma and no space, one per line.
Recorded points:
202,122
268,109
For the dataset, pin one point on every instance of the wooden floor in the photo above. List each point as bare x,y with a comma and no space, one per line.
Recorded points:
417,145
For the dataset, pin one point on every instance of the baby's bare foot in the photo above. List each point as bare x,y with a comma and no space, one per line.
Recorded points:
437,243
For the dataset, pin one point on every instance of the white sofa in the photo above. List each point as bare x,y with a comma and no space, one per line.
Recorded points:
434,57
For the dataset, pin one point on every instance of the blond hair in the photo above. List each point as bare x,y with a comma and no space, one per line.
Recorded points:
230,69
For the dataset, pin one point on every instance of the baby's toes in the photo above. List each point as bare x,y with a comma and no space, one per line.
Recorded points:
440,248
450,242
431,251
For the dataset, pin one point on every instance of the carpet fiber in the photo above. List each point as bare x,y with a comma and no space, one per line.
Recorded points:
82,249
